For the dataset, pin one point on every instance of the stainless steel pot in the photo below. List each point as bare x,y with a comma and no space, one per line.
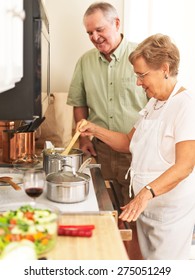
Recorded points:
67,186
54,162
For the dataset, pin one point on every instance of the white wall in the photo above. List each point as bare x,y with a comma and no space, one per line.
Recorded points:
69,39
172,17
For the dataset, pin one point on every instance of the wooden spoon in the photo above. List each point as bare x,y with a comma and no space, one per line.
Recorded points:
73,140
9,181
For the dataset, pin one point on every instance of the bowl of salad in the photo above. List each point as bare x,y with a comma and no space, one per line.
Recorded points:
35,222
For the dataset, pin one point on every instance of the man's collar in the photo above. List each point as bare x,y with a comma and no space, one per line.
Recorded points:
118,53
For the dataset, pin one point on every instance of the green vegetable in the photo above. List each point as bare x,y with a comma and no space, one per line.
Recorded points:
28,223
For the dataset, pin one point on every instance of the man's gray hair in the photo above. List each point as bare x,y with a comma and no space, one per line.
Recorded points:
109,11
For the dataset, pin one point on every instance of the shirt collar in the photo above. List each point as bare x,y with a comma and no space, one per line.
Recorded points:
118,53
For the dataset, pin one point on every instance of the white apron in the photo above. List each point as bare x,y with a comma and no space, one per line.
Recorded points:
165,227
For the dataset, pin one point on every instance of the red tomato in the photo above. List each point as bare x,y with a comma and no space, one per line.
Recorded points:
29,215
12,222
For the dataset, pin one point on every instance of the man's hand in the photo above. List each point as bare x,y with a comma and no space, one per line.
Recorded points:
86,146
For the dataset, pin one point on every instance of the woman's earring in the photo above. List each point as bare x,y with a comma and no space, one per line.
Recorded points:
166,76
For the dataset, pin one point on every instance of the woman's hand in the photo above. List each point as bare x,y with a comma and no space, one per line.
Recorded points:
116,140
85,143
88,129
135,207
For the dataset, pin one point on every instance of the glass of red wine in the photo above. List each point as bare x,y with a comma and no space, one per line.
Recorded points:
34,182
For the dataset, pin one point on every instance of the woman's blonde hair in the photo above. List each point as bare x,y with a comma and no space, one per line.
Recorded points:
156,50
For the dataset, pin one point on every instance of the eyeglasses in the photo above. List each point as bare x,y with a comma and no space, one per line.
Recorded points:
141,76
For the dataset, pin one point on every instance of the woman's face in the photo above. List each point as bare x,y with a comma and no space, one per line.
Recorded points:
152,81
103,34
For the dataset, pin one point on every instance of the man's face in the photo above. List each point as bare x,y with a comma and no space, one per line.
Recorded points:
104,34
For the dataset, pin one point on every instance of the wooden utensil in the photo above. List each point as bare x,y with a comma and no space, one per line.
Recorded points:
73,140
9,181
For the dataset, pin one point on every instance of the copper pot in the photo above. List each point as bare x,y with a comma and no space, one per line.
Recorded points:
18,147
3,126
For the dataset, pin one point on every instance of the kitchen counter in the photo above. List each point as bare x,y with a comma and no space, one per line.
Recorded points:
105,242
97,200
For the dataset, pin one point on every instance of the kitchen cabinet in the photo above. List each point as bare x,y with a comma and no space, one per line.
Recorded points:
11,48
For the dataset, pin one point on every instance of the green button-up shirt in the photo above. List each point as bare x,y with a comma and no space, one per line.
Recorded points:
108,88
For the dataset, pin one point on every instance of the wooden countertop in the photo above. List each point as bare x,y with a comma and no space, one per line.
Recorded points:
104,244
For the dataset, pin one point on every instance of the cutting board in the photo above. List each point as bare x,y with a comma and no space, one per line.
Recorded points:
105,243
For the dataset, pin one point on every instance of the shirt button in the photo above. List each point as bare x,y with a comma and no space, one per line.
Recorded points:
110,99
111,117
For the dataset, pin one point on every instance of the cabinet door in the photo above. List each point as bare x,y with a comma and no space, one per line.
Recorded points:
11,48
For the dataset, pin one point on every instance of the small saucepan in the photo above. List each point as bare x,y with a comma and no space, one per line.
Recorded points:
53,161
67,186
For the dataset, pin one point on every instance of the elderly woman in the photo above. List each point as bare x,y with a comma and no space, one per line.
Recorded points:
162,144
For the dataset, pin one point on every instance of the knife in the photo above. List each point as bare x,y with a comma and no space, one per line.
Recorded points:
35,124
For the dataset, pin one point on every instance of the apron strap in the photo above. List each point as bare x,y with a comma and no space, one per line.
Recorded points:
132,174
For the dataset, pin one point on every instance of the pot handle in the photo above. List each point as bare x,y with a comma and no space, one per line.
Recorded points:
72,168
84,164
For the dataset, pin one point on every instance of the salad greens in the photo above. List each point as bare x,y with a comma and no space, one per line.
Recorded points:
36,225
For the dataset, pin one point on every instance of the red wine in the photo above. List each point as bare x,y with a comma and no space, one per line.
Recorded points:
34,192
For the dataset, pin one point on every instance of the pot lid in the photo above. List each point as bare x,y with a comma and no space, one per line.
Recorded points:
67,176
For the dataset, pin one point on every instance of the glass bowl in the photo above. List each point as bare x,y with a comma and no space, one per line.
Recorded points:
31,221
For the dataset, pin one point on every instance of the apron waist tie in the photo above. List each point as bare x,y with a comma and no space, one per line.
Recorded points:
132,174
